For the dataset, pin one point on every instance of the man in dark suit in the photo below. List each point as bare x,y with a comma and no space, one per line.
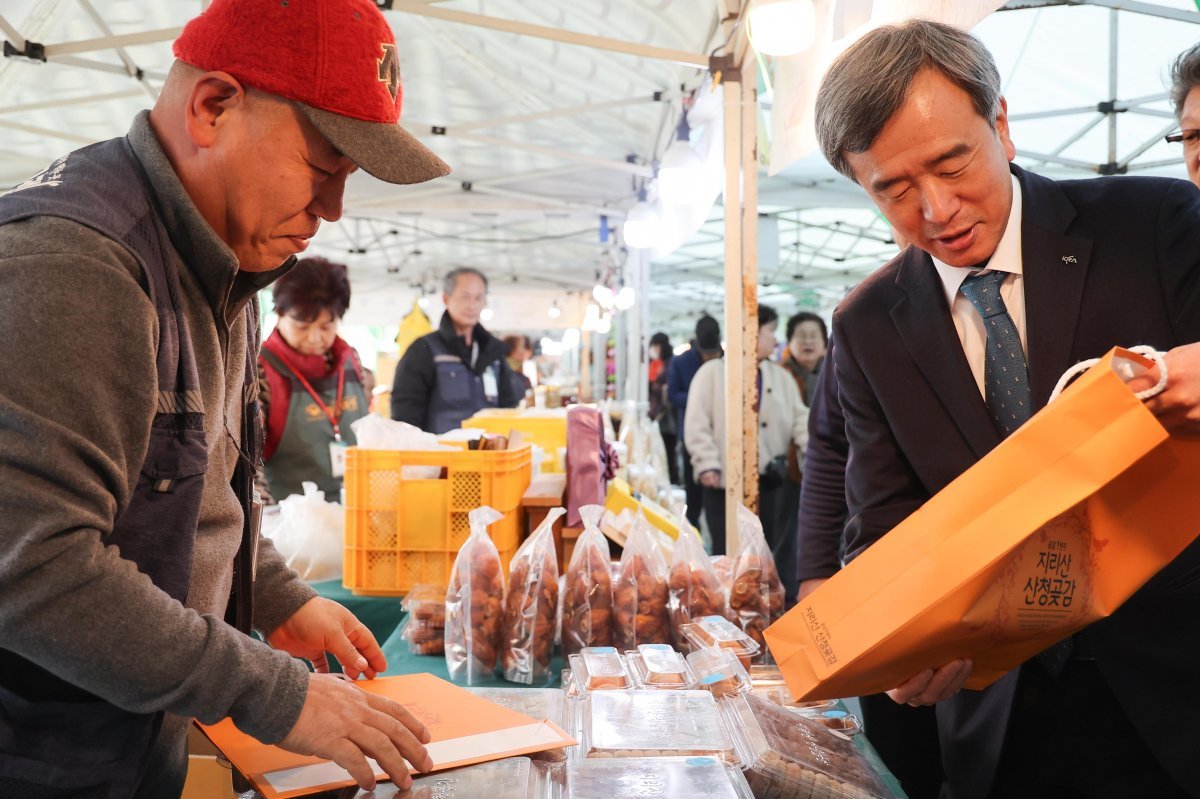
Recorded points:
913,113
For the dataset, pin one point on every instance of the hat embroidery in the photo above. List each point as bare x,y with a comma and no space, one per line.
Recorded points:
389,69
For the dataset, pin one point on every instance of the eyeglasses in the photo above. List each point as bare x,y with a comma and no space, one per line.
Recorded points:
1190,137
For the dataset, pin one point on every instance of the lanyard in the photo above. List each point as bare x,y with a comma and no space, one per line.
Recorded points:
334,415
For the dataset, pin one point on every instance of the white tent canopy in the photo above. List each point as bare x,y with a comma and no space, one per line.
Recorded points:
553,113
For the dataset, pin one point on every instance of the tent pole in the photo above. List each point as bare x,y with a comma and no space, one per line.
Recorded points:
741,298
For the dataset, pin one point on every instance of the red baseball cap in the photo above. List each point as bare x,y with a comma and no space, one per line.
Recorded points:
335,59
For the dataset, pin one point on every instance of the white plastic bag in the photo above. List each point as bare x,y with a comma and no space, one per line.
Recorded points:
310,534
374,432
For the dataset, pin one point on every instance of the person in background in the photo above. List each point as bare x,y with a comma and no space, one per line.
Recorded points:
458,369
706,346
518,350
133,575
660,409
312,385
1009,269
782,420
807,341
1185,97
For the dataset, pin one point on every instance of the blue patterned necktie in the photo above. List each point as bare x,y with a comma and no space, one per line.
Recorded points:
1006,388
1005,373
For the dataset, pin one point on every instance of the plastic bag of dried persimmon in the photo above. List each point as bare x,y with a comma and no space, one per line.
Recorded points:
756,593
695,589
531,607
640,594
474,603
588,588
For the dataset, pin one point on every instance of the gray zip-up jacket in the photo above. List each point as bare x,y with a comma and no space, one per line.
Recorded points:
78,391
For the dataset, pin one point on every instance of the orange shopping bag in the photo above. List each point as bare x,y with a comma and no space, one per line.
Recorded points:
1052,530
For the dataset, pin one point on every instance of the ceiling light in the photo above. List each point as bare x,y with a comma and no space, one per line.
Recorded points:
486,315
554,311
570,338
603,295
625,298
604,325
781,27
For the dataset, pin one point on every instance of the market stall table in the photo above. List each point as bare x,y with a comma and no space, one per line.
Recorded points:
401,661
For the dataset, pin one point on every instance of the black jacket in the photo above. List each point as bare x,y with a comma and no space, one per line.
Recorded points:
414,384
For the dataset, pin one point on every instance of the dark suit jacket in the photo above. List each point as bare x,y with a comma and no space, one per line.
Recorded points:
822,510
1109,261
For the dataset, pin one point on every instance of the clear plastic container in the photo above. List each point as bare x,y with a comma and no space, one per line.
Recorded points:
660,667
719,631
512,778
655,778
642,723
599,668
718,671
426,601
836,719
424,637
789,756
537,703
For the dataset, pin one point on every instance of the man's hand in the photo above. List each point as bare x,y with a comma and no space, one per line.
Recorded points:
347,725
710,478
932,685
1178,406
322,625
808,586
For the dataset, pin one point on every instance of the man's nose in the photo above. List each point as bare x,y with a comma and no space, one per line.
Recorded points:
327,204
939,203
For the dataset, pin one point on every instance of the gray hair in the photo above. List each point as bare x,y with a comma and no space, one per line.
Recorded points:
451,279
866,85
1185,76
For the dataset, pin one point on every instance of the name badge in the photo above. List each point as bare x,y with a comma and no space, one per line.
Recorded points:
337,458
490,389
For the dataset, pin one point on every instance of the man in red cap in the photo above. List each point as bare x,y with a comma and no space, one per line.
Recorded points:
129,435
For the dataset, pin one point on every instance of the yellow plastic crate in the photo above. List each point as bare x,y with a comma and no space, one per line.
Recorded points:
546,428
402,531
621,497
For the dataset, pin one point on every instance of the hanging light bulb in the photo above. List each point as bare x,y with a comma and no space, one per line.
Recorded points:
603,295
554,311
570,339
591,317
486,315
781,27
681,172
625,298
642,225
604,325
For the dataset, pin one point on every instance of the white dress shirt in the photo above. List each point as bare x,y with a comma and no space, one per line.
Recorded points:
967,321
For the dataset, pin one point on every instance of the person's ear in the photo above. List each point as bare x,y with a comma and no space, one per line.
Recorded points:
213,97
1002,130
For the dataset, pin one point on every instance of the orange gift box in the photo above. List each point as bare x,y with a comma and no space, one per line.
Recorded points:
1051,531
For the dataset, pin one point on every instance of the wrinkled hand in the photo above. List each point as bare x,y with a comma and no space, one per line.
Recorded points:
322,625
710,478
347,725
808,586
1178,406
933,685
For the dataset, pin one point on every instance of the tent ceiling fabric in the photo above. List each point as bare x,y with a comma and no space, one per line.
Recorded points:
539,133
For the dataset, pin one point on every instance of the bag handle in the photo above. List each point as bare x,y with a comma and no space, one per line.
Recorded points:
1140,349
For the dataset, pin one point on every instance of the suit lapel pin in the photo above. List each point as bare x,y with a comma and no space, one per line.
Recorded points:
1069,259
